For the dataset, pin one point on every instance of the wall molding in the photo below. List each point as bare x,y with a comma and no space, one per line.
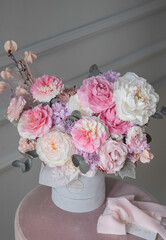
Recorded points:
91,29
6,162
128,60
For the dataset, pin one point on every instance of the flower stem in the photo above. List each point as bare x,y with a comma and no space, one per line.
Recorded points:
29,71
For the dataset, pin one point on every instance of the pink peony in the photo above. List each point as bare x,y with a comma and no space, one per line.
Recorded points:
89,134
96,93
26,145
35,122
112,156
114,124
46,87
15,108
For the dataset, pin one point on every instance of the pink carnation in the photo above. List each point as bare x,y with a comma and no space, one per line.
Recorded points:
26,145
46,87
89,134
112,156
96,93
15,108
35,122
115,124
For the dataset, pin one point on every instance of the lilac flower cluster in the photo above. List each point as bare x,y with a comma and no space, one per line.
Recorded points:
91,158
61,117
111,76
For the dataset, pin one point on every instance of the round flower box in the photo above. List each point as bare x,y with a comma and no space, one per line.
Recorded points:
83,194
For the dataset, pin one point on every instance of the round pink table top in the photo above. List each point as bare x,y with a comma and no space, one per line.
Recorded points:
37,218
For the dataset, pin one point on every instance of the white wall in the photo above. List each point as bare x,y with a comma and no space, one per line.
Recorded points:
69,36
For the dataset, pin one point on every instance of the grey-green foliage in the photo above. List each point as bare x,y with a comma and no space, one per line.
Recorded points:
79,161
128,170
75,115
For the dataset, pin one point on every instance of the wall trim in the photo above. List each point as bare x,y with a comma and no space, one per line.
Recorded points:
127,60
85,31
6,162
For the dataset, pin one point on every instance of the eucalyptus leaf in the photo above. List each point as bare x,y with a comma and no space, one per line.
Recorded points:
149,138
128,170
73,119
157,116
94,71
30,154
76,114
163,110
84,167
77,160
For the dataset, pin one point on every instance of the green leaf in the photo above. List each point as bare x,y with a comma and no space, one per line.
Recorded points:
128,170
163,110
157,116
149,138
77,160
84,167
76,114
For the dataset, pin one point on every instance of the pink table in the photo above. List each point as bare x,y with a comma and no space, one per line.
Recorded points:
37,218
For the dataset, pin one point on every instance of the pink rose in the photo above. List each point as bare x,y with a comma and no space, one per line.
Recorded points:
96,93
46,87
146,156
15,108
112,156
35,122
115,124
89,134
26,145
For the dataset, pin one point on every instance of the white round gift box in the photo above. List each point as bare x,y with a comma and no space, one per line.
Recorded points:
82,195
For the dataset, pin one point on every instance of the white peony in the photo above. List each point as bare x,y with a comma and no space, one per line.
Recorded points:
135,99
75,104
55,148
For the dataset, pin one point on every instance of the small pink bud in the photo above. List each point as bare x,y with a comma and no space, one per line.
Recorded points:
7,74
2,86
10,45
30,57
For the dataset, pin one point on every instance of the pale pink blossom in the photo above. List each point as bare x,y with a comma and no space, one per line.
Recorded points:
20,91
146,156
89,134
30,57
46,87
136,140
26,145
7,74
112,156
115,124
35,122
2,86
15,108
96,93
10,45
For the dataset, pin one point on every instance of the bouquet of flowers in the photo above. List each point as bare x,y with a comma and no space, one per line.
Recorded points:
80,130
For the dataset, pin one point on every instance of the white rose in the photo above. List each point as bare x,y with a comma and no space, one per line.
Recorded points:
135,99
55,148
75,104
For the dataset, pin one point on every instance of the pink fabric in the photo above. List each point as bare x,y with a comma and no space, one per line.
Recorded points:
125,209
37,217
